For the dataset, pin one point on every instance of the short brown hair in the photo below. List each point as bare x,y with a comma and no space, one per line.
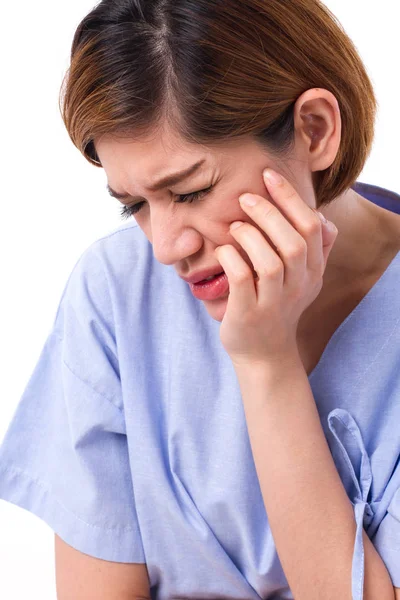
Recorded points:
217,70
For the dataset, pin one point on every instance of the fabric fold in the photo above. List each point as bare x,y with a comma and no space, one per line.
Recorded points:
354,467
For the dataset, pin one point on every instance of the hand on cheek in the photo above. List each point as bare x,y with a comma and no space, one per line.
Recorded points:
262,314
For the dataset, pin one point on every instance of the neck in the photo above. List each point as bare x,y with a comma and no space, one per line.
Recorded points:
367,241
363,240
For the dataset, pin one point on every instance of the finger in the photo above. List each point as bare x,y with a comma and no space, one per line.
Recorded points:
329,235
290,246
242,290
266,262
300,215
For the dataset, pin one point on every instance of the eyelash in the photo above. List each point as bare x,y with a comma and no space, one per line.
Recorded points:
129,211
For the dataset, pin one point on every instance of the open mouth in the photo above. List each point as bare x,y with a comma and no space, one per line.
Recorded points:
212,277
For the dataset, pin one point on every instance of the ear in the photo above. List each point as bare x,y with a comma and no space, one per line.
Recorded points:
318,127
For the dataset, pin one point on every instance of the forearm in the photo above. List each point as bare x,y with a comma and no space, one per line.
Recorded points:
310,515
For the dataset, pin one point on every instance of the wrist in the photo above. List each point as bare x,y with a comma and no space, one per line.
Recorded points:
277,366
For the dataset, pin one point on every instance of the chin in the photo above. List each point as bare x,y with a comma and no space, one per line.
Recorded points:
216,308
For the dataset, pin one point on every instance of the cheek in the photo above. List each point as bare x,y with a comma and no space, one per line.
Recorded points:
229,211
222,215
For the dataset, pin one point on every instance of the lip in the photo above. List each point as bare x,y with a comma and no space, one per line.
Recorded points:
203,274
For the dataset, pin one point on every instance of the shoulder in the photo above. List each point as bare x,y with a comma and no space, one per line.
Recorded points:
386,204
104,265
118,283
123,247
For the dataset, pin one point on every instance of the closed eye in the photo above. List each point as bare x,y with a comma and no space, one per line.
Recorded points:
129,211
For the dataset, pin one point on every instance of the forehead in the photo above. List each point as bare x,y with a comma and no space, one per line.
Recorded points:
135,165
150,158
165,149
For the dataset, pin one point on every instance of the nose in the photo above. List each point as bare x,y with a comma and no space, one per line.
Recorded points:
173,239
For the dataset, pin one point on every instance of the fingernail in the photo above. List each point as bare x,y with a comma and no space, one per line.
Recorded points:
321,216
235,225
272,177
247,200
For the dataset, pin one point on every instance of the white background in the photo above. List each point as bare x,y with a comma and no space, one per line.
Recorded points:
55,205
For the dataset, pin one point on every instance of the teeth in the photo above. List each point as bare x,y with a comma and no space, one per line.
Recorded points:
213,276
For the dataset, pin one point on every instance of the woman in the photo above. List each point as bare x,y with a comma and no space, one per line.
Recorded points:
237,438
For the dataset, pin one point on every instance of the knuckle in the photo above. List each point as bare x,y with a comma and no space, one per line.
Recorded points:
290,194
297,295
312,227
268,211
273,271
240,277
296,251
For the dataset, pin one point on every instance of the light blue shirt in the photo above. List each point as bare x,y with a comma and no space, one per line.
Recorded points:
130,440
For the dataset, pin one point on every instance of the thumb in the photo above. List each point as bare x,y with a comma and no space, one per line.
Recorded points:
329,235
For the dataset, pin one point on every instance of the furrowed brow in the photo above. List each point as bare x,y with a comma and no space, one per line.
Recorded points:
169,180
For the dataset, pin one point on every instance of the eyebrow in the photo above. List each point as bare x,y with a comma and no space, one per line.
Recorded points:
169,180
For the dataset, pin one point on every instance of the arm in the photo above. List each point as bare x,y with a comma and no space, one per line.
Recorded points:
310,514
83,577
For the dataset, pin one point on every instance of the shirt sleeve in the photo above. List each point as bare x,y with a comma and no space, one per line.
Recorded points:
65,454
354,466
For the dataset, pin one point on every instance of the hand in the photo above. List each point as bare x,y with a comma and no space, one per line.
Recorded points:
262,315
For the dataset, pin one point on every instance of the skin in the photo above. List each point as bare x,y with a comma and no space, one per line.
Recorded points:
186,235
281,425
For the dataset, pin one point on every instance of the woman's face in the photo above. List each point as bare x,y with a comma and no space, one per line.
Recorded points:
185,234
